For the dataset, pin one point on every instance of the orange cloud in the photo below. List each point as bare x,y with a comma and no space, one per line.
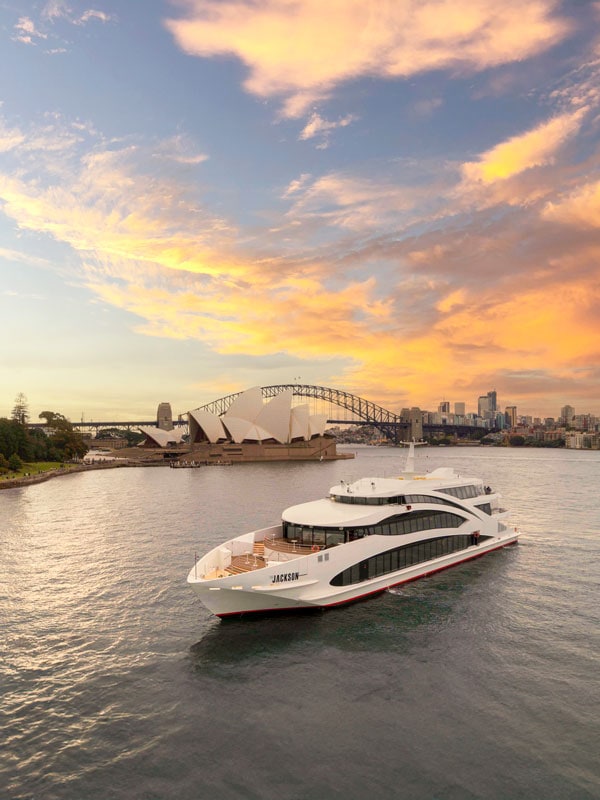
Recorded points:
301,50
580,209
437,312
531,149
553,331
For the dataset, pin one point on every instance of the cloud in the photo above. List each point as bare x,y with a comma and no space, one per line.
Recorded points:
92,14
351,202
580,209
26,31
400,306
533,148
320,128
60,9
10,138
181,150
25,258
300,52
55,9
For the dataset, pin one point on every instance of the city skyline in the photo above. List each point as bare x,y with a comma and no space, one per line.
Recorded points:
458,409
398,200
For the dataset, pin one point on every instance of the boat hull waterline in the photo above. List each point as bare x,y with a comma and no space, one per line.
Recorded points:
266,590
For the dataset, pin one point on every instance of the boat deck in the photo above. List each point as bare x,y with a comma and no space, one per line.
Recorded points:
255,558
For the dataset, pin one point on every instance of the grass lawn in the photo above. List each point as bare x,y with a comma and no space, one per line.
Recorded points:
33,469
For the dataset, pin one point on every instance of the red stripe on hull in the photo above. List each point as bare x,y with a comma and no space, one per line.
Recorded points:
354,599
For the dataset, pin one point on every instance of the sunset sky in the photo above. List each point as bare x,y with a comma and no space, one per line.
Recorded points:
399,198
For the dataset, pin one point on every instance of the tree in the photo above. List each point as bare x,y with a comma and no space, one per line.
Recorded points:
14,438
20,412
69,442
517,440
55,420
64,441
15,463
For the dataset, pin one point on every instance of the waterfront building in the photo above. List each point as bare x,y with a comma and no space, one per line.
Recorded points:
574,440
554,435
159,438
249,419
510,414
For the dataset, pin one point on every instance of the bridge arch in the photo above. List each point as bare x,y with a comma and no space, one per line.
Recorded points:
365,411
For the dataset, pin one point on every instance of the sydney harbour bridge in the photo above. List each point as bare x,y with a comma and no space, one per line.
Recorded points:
343,408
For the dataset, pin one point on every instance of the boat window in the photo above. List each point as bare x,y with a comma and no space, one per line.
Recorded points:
397,525
319,536
463,492
401,557
485,507
355,499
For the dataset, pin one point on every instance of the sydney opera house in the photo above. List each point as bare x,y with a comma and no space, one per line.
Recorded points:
251,430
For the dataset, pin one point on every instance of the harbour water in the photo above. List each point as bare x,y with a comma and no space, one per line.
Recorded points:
115,683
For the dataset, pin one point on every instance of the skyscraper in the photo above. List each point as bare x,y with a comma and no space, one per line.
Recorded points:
567,413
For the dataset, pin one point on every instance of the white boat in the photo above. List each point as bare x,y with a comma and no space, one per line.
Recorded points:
362,539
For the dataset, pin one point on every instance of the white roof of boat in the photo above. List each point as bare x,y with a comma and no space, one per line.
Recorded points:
327,512
404,484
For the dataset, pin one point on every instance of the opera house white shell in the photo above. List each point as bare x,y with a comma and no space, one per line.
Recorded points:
249,419
159,438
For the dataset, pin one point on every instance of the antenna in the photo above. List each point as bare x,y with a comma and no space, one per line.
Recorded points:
410,458
409,467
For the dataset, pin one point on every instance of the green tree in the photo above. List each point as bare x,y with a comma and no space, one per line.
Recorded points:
56,421
64,442
15,463
14,438
516,440
69,443
20,412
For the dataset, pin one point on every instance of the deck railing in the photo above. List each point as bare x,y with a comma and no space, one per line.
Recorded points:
282,545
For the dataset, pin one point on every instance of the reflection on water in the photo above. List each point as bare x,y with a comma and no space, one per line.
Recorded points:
388,622
116,682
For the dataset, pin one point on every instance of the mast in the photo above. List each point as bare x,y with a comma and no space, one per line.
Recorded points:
409,467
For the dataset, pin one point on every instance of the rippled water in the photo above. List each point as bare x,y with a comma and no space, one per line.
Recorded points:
480,682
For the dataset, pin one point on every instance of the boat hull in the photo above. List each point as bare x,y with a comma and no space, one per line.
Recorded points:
304,583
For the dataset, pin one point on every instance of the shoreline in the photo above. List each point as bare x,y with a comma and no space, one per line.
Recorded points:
41,477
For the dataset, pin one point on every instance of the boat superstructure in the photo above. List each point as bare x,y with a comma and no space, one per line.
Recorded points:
361,539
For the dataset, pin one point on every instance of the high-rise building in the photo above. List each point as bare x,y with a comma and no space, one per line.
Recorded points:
567,413
459,409
483,405
510,414
492,401
444,407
